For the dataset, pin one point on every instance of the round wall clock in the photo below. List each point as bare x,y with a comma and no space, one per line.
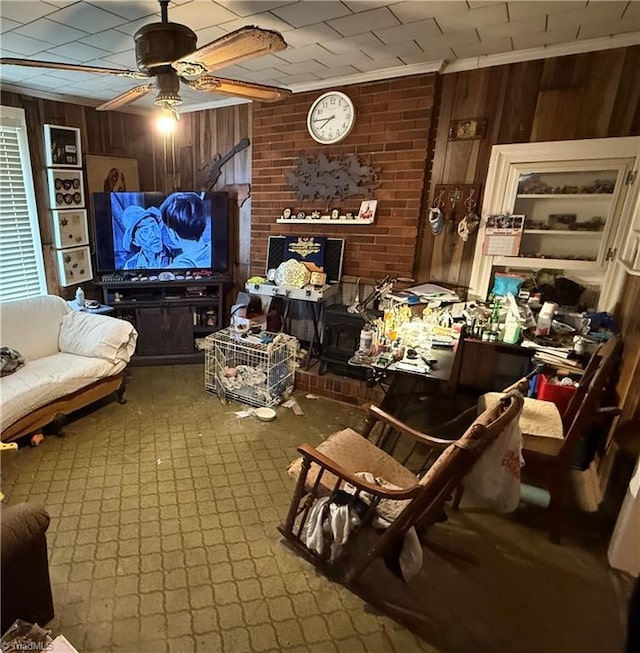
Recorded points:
331,117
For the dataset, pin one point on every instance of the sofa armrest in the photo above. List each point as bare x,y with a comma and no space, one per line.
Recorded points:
97,336
21,524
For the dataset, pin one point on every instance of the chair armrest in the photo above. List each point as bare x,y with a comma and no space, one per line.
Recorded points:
310,453
380,415
610,411
21,524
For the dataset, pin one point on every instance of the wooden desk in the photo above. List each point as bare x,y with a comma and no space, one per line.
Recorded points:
404,384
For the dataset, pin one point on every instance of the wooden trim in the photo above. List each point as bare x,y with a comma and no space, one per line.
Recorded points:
64,405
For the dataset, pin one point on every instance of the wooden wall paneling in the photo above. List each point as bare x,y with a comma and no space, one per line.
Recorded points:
599,96
516,119
627,97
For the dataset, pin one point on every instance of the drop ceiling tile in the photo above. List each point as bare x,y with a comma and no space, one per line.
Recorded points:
360,42
131,27
86,17
591,13
266,20
111,40
148,9
301,78
200,14
265,76
449,40
50,31
77,52
25,12
23,45
364,21
540,39
599,28
632,12
126,59
296,69
378,64
395,50
333,73
7,25
302,53
18,73
308,13
410,10
335,60
246,8
518,10
492,15
418,30
261,63
365,5
209,34
318,33
497,46
436,55
523,26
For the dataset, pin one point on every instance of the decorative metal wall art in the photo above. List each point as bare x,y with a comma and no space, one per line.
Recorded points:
321,178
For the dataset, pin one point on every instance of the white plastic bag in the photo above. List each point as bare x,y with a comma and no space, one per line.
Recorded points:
494,481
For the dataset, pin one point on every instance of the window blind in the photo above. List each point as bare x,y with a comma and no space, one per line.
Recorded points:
21,261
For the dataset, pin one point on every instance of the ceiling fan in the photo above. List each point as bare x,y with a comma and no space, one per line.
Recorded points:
167,52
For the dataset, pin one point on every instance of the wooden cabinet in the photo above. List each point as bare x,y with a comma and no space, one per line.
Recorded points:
172,318
578,199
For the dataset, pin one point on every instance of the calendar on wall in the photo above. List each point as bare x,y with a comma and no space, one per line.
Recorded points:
503,235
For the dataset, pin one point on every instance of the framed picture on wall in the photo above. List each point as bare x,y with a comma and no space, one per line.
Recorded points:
463,130
111,174
74,266
66,188
62,147
70,228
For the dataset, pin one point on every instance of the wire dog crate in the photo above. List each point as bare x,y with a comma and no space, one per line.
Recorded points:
255,373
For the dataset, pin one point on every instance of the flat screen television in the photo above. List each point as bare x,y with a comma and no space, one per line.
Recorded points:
140,232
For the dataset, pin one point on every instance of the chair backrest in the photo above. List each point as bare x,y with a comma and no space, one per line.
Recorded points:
580,415
601,356
457,460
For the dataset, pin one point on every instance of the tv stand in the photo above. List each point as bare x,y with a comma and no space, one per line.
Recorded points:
172,318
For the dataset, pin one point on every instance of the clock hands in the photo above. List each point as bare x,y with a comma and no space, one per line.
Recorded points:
324,120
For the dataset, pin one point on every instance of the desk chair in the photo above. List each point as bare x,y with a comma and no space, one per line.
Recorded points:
549,439
417,498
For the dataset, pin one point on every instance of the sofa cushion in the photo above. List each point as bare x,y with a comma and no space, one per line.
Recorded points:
46,379
32,326
99,336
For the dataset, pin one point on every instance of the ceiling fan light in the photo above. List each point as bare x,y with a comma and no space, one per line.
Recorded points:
164,99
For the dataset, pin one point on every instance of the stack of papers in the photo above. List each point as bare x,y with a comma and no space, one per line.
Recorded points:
426,292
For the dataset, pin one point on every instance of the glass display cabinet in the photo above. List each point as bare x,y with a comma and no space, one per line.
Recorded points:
578,199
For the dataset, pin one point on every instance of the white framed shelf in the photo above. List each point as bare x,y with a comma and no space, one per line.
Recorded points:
539,262
521,180
324,220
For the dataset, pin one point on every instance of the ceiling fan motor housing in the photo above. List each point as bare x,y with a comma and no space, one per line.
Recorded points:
158,44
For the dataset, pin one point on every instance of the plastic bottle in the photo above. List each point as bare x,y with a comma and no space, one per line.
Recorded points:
80,297
543,325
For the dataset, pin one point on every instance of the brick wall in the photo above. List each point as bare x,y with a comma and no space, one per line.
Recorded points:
392,133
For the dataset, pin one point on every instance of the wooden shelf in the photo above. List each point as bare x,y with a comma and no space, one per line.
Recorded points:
535,262
353,221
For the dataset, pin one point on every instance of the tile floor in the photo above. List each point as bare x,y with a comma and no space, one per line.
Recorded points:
163,532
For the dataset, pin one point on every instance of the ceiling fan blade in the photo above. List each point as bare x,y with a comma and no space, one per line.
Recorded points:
33,63
211,84
125,98
244,43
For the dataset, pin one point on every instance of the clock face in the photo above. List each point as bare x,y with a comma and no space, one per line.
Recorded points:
331,117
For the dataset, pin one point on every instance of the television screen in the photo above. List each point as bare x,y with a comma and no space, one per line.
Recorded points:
137,231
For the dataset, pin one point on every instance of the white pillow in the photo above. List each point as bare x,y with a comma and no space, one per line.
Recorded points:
97,336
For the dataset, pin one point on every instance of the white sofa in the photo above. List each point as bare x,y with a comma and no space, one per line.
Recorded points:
72,358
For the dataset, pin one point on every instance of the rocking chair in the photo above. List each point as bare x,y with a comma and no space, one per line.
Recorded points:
415,498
